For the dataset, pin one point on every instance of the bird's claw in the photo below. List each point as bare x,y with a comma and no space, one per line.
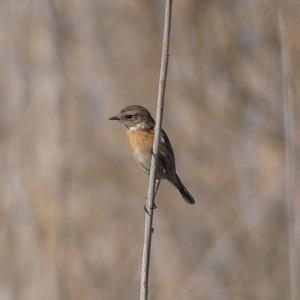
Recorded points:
152,208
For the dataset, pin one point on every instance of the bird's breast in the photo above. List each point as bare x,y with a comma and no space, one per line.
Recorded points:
140,142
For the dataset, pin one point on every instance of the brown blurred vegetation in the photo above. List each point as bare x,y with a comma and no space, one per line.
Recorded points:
71,197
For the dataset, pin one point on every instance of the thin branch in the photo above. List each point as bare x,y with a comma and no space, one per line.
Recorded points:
289,134
151,186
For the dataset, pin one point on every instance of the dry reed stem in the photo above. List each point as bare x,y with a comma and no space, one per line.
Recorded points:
151,187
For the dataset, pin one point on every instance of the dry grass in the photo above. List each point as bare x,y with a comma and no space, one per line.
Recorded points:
71,209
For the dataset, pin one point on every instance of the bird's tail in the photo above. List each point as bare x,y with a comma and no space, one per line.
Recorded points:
183,191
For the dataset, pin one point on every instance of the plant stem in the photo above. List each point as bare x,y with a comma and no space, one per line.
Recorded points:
151,187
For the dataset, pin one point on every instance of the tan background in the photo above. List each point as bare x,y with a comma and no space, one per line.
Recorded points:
71,197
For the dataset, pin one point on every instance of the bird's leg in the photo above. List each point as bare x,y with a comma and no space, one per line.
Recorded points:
157,182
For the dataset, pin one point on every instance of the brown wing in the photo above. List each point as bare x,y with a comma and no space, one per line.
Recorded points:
166,154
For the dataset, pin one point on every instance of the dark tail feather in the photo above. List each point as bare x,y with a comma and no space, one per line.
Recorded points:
183,191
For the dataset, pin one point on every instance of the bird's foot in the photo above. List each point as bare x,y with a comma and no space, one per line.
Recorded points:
152,208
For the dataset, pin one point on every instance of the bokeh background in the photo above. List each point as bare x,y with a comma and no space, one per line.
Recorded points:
71,197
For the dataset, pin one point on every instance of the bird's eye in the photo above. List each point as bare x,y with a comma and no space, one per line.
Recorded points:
129,117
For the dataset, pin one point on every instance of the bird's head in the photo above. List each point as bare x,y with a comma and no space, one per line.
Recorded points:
135,117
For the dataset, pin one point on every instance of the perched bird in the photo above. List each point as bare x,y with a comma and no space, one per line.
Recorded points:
140,131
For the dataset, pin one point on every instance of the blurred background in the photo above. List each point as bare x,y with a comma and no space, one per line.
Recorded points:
71,196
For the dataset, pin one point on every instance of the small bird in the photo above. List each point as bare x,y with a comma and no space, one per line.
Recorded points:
140,131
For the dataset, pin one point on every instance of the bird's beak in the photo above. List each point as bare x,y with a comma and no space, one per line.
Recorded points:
115,118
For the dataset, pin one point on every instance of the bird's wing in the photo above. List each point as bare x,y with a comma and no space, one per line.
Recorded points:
166,154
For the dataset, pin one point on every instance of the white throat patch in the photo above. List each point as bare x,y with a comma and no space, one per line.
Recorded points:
136,127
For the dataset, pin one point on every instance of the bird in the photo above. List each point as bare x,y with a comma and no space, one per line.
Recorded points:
140,132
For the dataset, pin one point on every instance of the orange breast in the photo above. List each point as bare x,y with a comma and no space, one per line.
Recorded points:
141,141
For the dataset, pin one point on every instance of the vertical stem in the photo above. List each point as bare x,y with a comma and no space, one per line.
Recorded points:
151,186
289,134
